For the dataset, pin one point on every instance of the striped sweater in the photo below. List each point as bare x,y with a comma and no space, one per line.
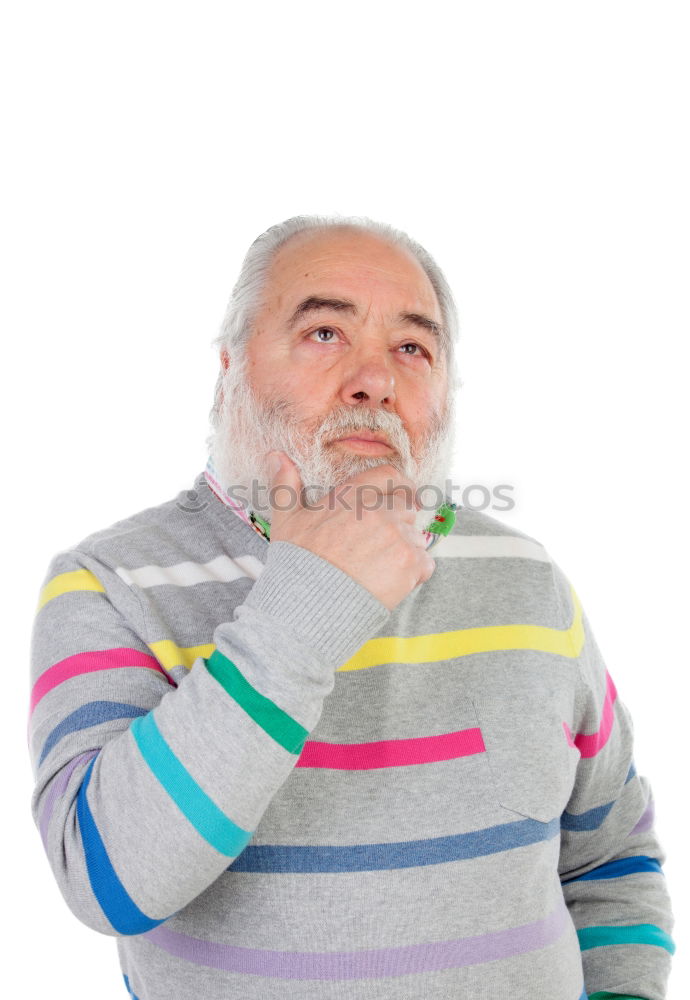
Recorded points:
264,784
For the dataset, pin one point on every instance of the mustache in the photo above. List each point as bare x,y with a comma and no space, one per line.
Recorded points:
338,421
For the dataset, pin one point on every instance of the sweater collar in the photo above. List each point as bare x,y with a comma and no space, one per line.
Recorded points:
440,524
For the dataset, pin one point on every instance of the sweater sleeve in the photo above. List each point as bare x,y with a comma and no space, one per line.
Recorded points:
145,791
611,859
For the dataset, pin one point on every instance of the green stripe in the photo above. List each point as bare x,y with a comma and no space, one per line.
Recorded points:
273,720
613,996
598,937
192,801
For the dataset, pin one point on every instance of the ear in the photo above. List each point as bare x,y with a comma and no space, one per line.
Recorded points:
224,363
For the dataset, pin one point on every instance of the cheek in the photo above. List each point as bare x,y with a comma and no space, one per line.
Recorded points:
421,420
307,397
421,412
269,375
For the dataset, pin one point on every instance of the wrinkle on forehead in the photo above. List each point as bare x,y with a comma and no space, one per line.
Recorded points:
308,259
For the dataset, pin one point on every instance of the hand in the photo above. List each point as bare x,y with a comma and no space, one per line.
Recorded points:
375,542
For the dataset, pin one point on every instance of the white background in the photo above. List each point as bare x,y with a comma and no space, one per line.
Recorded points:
539,151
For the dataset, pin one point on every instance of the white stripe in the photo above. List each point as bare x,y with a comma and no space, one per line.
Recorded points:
490,547
222,569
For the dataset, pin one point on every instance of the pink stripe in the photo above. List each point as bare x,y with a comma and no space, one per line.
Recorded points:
391,753
568,735
86,663
590,745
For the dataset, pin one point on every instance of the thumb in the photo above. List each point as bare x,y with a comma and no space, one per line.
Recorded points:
283,473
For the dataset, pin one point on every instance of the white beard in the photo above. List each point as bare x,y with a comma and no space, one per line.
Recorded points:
247,428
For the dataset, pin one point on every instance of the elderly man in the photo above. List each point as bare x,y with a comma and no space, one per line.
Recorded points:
308,729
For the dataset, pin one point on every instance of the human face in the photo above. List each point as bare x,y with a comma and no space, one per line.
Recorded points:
316,382
360,357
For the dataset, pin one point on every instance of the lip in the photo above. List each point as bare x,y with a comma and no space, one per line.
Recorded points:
373,438
367,445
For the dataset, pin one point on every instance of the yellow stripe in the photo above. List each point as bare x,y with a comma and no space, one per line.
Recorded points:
65,583
425,648
170,655
487,639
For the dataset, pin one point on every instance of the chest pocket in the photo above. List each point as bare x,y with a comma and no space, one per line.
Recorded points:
531,763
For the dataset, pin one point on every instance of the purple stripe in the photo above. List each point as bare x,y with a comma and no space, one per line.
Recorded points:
646,820
57,788
366,963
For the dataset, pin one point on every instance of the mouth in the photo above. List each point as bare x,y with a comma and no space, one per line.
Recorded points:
364,436
373,443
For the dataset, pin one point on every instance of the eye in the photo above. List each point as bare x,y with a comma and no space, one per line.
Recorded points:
421,351
323,329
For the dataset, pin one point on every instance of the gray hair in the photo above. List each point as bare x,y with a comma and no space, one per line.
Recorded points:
245,301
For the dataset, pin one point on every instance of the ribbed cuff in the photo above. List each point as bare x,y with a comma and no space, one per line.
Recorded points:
320,603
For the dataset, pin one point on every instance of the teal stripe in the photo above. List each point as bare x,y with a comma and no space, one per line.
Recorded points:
201,811
599,937
613,996
272,719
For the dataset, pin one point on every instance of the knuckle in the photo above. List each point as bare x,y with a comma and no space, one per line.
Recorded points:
378,472
390,532
410,557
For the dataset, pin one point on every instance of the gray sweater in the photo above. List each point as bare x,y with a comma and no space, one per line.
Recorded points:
263,784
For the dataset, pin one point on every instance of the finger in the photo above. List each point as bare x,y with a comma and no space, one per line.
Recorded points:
285,483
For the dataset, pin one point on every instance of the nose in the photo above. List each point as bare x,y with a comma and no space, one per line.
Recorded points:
370,381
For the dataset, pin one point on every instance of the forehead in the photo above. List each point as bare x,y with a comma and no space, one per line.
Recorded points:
351,264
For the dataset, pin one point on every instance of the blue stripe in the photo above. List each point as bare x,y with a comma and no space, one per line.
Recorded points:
202,812
133,994
90,714
119,908
593,818
403,854
590,820
617,869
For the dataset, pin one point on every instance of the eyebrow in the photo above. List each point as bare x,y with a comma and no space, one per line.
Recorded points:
315,303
